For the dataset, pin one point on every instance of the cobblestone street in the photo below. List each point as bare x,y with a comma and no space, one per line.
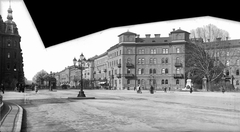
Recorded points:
123,110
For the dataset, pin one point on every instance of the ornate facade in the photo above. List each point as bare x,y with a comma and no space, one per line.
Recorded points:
11,60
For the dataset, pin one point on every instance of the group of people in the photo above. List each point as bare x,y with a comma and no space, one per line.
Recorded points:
139,90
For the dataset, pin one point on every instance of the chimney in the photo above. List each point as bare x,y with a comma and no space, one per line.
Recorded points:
157,35
147,35
173,29
218,39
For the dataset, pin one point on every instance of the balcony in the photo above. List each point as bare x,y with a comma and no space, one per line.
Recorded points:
119,65
118,75
129,75
177,64
178,76
129,65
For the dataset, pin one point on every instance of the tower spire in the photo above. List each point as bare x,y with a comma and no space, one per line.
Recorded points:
9,17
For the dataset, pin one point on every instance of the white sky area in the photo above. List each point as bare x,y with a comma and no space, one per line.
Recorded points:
57,57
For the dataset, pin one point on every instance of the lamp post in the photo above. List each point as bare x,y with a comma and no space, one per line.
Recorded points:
80,61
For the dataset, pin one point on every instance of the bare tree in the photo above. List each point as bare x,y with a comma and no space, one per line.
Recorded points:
209,32
40,77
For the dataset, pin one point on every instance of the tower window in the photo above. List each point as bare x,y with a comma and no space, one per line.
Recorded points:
166,81
162,81
8,55
177,81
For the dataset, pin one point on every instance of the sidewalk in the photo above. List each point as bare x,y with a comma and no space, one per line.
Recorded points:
11,120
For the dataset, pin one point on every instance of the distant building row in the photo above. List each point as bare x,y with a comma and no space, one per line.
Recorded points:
157,61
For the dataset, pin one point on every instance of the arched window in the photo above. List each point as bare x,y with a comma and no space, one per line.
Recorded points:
178,71
166,60
162,81
139,81
237,72
166,81
166,71
178,50
154,61
129,51
177,81
163,60
150,71
139,51
128,71
142,70
154,71
163,71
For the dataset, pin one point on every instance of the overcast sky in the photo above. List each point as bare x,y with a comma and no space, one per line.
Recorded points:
36,57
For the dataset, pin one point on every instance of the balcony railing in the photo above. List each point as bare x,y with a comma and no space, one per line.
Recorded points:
118,75
119,65
177,64
178,76
129,65
129,75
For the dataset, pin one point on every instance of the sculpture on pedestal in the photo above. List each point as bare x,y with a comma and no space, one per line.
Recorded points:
189,81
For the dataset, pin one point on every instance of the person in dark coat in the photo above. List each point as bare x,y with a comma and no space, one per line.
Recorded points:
2,88
223,89
151,89
191,89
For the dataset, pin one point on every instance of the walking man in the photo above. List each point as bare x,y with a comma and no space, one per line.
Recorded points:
2,88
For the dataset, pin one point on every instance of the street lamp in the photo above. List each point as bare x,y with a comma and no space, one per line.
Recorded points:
80,61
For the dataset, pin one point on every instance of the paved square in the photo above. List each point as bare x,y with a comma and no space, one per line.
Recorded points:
125,110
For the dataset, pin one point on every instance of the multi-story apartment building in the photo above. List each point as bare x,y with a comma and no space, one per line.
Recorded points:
157,61
11,60
228,52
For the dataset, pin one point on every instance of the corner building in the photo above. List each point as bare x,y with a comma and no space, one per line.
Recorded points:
157,61
11,60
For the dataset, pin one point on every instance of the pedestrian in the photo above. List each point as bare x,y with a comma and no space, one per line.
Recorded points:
2,88
169,89
151,89
139,89
191,89
165,89
223,89
36,88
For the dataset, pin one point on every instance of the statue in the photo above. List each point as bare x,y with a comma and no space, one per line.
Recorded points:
189,84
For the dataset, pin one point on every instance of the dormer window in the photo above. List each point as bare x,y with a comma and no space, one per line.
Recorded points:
8,43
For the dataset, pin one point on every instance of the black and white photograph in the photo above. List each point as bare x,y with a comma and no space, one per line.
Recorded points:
173,75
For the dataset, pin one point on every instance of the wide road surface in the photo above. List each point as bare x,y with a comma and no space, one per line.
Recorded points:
123,110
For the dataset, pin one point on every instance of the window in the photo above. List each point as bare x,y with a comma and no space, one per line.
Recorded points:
142,51
8,43
227,63
150,71
8,55
8,66
140,71
142,60
166,60
128,60
139,60
154,51
237,82
151,51
178,50
128,81
120,52
150,61
115,71
119,81
166,51
129,51
166,71
177,60
163,60
177,81
154,71
163,71
227,53
128,71
178,71
154,61
238,62
227,72
166,81
139,81
237,72
162,81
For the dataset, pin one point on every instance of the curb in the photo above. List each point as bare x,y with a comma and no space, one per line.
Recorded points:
13,120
